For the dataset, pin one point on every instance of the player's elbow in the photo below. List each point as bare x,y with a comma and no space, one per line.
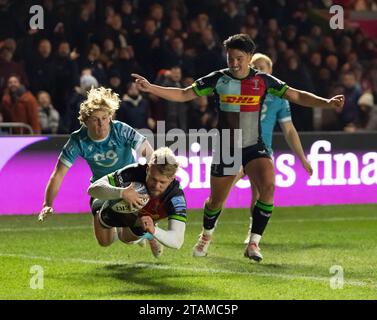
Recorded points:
187,94
179,243
175,244
93,191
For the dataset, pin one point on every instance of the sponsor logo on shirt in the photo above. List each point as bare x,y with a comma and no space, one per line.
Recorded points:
108,159
240,99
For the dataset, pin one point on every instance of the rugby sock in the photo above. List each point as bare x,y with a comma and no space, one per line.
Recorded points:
115,235
210,218
261,214
251,221
255,238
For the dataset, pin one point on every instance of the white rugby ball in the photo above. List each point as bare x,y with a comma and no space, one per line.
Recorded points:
122,206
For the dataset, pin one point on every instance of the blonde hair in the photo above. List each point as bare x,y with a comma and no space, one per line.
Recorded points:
99,99
165,161
261,56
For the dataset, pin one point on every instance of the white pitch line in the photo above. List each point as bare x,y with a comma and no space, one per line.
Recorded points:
89,226
191,270
46,228
328,219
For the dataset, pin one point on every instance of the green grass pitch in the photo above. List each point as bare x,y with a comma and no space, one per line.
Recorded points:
300,246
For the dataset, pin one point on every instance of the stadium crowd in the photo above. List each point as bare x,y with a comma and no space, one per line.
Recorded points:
45,73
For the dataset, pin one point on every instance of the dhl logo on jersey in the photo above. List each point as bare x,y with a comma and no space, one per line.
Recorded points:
240,99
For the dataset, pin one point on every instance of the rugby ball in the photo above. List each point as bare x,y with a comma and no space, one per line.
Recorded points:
122,206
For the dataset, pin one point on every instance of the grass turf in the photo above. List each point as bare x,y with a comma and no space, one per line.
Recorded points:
300,246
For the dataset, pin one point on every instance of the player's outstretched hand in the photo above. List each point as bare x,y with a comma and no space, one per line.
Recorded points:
147,224
45,212
307,166
337,102
141,83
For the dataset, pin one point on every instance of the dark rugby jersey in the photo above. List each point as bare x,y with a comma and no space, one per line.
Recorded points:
240,101
171,204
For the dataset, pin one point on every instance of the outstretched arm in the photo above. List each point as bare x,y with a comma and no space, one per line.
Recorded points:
293,140
52,189
145,150
172,238
103,190
168,93
308,99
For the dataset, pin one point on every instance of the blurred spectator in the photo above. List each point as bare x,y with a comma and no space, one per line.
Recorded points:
331,63
350,114
127,64
156,13
115,81
67,75
130,19
41,69
175,113
314,64
200,117
193,34
19,105
315,38
175,55
209,58
328,46
9,22
364,5
114,30
148,48
290,35
297,76
174,29
229,20
83,30
368,50
272,28
135,110
324,82
9,67
303,50
94,63
345,49
369,108
301,20
11,45
109,53
48,115
70,122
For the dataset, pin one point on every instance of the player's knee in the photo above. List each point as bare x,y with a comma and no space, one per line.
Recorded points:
267,190
104,243
214,204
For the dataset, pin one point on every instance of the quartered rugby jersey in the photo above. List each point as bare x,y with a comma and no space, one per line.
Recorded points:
171,204
240,100
108,155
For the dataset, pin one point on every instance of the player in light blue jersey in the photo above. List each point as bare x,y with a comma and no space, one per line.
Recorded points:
275,110
108,154
106,145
